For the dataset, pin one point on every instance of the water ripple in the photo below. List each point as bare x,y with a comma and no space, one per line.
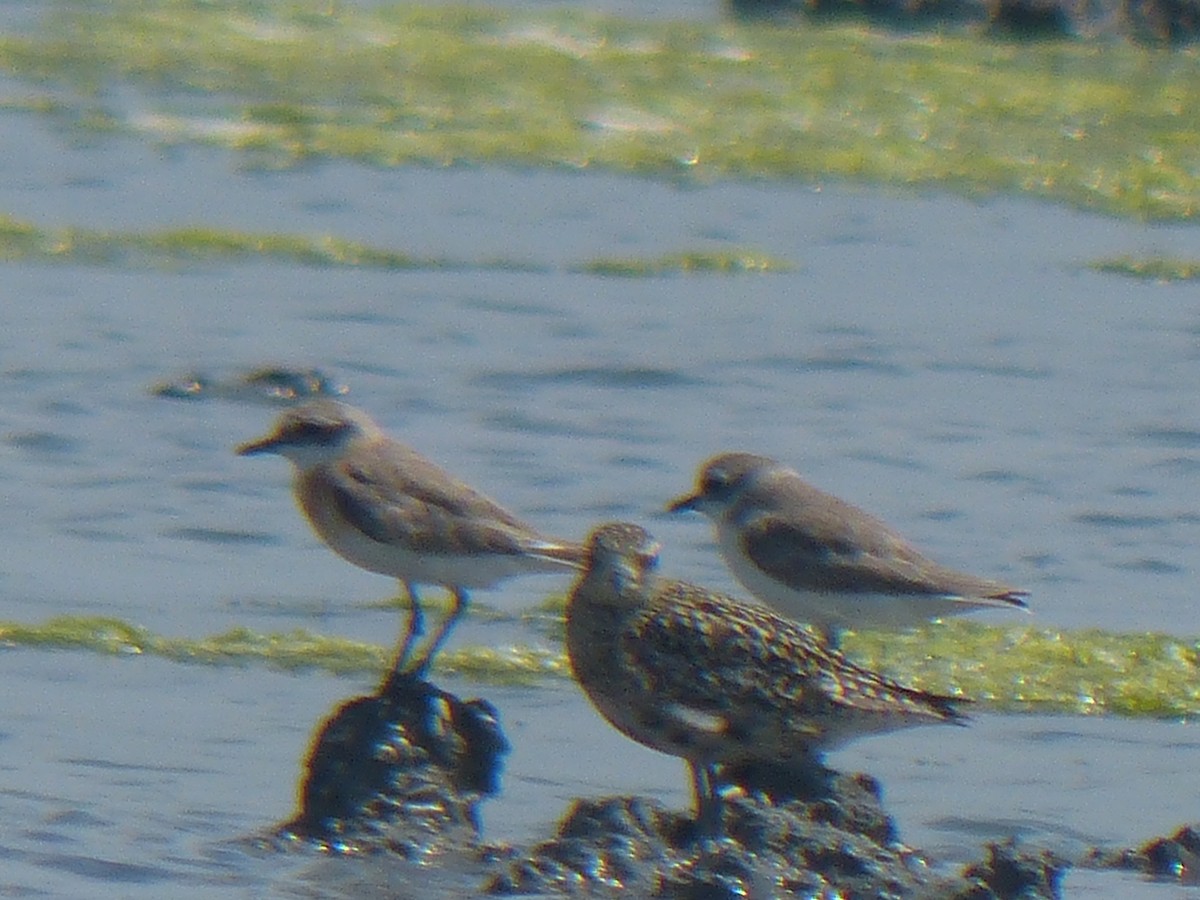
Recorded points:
221,536
523,423
1176,438
999,370
47,443
1178,465
1121,520
620,377
1150,566
1000,476
102,870
831,362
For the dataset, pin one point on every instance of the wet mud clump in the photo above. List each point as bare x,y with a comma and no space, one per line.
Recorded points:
1174,858
1152,22
1008,871
401,771
400,775
270,385
840,843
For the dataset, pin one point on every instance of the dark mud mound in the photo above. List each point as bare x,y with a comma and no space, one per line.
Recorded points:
399,776
1174,858
840,844
401,771
1154,22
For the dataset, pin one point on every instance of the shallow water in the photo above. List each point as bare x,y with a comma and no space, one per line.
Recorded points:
952,366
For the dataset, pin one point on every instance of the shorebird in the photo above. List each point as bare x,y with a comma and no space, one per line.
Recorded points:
716,681
820,560
381,505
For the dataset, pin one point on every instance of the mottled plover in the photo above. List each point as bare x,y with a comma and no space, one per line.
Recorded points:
382,506
820,560
713,680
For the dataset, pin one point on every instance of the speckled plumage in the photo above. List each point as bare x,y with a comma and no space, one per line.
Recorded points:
705,677
382,506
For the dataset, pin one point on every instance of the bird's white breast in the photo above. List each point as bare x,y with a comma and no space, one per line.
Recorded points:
450,568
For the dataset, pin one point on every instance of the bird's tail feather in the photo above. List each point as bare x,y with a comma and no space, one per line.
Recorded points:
567,553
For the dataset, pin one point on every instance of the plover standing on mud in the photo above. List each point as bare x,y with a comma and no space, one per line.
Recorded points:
702,676
382,506
820,560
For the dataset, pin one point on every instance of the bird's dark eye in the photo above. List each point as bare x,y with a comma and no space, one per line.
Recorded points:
648,558
313,432
715,481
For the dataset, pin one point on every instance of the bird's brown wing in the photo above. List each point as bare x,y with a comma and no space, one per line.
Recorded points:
828,553
721,659
397,496
756,671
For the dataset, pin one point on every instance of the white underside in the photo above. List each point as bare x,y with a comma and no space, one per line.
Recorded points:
832,611
465,571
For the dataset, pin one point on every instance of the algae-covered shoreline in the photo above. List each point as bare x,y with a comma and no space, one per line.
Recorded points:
1102,127
1010,669
25,241
196,246
138,742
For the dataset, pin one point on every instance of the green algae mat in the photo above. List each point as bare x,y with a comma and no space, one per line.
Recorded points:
282,82
1107,126
1012,669
24,241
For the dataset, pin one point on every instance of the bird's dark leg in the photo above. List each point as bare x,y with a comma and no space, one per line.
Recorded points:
831,635
699,787
413,629
706,798
457,608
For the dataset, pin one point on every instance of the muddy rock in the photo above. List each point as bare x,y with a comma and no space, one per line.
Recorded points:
274,385
401,771
1010,872
399,776
841,843
1173,858
1153,22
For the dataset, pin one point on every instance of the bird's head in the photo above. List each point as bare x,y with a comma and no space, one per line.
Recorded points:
622,556
314,433
720,481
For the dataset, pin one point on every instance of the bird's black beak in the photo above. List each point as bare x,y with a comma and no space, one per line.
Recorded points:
686,503
263,445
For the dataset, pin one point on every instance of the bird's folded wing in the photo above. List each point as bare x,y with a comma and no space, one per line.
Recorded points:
715,667
830,556
856,688
425,509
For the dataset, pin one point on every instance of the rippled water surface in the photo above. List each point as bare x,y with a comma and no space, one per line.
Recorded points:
952,366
